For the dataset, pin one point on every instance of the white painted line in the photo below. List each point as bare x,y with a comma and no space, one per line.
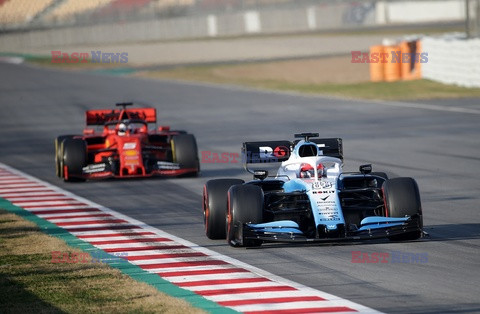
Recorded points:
180,279
173,260
235,285
263,295
190,268
287,306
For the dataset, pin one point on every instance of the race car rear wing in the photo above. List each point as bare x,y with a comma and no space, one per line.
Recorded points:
102,116
278,151
266,152
332,147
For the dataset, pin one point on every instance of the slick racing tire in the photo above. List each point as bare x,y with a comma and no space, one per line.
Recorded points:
215,206
58,155
185,152
402,198
74,152
245,205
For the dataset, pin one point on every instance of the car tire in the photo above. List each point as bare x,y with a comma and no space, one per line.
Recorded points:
402,198
245,205
58,154
74,152
185,152
215,206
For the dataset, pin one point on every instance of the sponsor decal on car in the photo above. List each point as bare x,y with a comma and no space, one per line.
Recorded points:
94,168
165,165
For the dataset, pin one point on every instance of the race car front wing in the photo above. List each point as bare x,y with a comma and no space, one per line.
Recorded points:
370,228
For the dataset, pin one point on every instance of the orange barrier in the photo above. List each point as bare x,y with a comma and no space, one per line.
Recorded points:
393,66
402,62
411,67
376,68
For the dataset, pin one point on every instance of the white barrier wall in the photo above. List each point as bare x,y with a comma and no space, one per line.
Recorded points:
452,60
425,11
322,16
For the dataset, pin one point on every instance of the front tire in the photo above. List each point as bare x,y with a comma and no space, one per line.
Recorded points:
402,198
59,155
185,152
215,206
245,205
74,152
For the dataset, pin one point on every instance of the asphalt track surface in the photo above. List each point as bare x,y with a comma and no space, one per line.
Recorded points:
437,144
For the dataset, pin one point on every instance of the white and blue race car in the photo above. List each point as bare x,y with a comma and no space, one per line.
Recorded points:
310,199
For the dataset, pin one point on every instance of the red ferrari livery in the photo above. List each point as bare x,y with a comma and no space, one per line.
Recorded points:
121,143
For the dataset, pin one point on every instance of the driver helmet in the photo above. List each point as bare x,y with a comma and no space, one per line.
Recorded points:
306,171
122,129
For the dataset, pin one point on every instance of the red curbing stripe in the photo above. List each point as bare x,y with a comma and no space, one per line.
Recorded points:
91,222
64,211
87,236
54,205
159,256
78,216
221,282
131,241
9,182
184,264
119,227
202,272
25,192
33,196
146,248
271,300
27,186
245,290
331,309
44,200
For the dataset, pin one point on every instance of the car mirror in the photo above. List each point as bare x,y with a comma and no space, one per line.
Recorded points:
365,169
260,174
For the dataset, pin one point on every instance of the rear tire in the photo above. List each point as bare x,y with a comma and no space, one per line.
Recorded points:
74,152
245,205
402,198
215,206
185,152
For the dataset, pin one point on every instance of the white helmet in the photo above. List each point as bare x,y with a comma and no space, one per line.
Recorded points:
122,129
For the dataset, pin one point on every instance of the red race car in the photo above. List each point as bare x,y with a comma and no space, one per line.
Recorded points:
124,145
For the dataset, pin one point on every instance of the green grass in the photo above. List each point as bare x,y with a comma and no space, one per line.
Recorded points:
401,90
